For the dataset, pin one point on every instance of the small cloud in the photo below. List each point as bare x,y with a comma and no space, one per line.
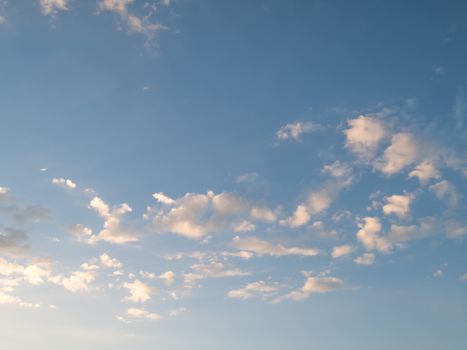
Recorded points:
425,171
342,250
398,205
294,131
364,135
64,182
142,314
403,151
365,259
139,291
52,7
438,273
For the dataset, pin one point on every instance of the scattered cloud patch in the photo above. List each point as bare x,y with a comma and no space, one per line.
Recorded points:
294,131
365,259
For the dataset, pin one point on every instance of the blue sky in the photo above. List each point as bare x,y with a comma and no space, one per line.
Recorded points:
187,174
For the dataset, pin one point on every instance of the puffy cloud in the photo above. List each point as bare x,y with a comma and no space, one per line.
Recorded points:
300,217
162,198
134,23
364,136
83,234
402,152
112,230
258,289
110,262
35,273
4,191
365,259
77,281
197,215
64,182
314,285
263,214
398,205
139,291
369,236
438,273
444,189
463,278
342,250
10,299
294,131
51,7
260,247
168,277
425,171
317,202
142,314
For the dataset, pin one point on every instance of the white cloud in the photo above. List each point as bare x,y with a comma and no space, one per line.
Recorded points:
143,314
10,299
64,182
139,291
162,198
51,7
425,171
134,23
262,214
444,189
438,273
260,247
294,131
299,218
402,152
319,201
110,262
404,233
398,205
112,231
168,277
369,236
365,259
245,226
314,285
364,136
76,281
212,269
3,191
258,289
196,215
463,278
342,250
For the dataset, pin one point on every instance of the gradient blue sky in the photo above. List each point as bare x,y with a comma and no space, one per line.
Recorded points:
200,174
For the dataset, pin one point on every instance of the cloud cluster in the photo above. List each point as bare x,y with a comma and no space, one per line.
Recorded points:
196,215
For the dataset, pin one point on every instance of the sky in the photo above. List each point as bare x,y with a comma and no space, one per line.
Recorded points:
208,174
